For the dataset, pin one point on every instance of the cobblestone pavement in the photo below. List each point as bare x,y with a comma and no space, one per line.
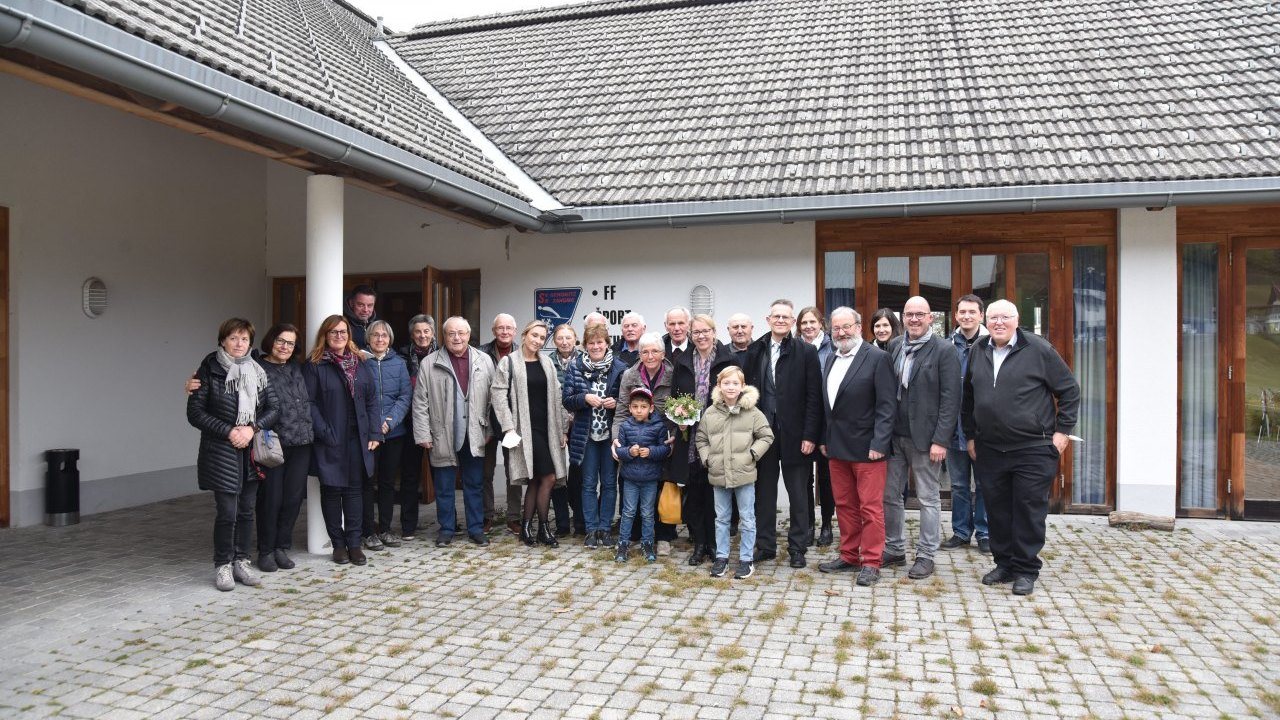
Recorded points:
117,617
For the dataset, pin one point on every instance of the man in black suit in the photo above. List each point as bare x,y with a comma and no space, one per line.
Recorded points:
859,400
786,372
928,376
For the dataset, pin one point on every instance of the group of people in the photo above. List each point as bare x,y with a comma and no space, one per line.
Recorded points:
584,426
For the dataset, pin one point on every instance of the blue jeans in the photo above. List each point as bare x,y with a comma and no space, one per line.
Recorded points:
599,468
968,512
472,470
643,493
746,497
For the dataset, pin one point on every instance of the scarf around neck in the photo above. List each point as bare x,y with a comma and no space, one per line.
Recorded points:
347,363
245,378
597,377
907,351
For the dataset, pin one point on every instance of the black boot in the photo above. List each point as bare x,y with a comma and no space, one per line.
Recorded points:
825,537
699,554
526,533
546,536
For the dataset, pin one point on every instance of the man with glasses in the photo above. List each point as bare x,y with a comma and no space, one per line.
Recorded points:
1019,406
503,342
927,376
786,372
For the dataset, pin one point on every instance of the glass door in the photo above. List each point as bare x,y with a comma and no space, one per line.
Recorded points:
901,273
1255,380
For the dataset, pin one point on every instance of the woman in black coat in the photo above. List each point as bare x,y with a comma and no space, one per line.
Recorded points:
280,494
344,401
232,402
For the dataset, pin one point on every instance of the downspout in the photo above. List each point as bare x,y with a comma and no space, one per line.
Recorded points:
31,34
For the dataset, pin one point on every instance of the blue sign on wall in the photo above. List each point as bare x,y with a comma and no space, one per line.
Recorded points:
555,305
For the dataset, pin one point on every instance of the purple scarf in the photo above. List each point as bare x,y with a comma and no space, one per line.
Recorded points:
347,363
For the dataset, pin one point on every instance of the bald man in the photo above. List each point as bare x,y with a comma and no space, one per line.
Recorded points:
1019,406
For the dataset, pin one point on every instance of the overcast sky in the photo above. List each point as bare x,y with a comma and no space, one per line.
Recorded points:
401,15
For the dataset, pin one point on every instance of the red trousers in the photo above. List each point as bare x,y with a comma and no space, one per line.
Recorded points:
858,488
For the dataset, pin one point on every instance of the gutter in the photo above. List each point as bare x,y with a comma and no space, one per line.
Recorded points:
917,203
68,37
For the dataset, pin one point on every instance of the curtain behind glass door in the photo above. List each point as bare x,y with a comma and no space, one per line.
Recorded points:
1089,357
1199,345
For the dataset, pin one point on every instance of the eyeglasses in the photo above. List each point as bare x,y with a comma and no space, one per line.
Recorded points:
1001,318
847,328
338,333
651,351
700,333
378,335
915,315
457,333
285,343
779,317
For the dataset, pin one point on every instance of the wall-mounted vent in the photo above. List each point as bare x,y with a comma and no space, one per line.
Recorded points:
702,301
94,297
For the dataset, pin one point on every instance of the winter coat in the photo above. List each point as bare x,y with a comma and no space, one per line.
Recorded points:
1034,396
509,396
359,329
562,365
962,346
798,404
684,382
825,349
220,466
329,397
577,386
294,425
630,381
731,439
391,380
930,406
651,434
434,404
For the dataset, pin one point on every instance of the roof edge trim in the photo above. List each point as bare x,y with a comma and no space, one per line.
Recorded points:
1027,198
538,196
69,37
543,16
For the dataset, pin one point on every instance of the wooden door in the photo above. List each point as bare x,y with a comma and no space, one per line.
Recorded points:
1254,379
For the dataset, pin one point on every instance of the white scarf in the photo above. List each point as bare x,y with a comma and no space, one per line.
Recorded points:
244,377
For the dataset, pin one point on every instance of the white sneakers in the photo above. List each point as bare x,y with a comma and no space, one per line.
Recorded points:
222,578
244,573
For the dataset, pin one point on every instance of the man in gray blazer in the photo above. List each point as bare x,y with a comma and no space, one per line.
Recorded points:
928,389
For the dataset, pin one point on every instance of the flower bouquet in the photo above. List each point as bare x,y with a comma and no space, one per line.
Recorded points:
684,410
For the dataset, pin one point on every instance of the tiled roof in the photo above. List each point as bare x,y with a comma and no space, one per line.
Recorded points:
318,53
650,101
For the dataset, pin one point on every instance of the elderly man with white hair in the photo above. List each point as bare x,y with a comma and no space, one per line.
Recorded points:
627,349
1019,406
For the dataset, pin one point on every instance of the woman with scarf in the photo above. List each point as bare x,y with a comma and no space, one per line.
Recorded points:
885,326
422,335
391,378
232,402
345,419
590,390
567,500
814,331
695,375
656,374
526,399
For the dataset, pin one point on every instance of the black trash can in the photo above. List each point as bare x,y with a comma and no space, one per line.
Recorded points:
62,488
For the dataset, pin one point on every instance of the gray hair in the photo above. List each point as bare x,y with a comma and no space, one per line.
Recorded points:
455,319
688,316
633,316
421,318
381,325
650,339
846,310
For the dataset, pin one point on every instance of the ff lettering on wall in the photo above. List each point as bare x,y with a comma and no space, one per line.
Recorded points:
559,305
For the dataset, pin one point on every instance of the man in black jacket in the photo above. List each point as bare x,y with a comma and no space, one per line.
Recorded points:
786,373
360,313
1020,402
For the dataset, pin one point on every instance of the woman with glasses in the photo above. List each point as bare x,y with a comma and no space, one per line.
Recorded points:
344,416
526,399
391,378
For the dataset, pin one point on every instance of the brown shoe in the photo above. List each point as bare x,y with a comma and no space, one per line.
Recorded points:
488,525
513,527
357,556
340,556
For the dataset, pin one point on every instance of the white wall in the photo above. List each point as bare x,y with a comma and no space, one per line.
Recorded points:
1147,362
174,224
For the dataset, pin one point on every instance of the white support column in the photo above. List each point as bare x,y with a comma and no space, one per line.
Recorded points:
324,298
1147,362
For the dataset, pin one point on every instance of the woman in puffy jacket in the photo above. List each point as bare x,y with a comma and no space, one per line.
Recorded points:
391,380
344,416
280,494
590,393
233,401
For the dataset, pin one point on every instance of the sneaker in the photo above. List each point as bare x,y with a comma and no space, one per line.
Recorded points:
340,556
592,541
621,554
664,548
999,576
357,556
868,576
283,561
984,546
480,539
267,562
1024,585
372,543
443,540
650,555
745,570
887,560
389,540
408,537
718,566
920,569
955,541
223,579
244,574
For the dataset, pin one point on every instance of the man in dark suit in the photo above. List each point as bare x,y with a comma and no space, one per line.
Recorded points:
860,401
927,372
786,372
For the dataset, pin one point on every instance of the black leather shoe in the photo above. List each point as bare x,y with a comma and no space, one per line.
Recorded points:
357,556
526,533
443,540
920,569
888,561
838,566
1024,585
480,539
997,577
282,560
955,541
563,532
340,556
825,537
984,546
763,555
699,555
267,562
797,560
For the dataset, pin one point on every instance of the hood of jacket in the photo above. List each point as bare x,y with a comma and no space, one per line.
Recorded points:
750,396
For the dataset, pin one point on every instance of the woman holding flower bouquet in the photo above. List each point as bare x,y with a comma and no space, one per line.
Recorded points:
694,378
654,373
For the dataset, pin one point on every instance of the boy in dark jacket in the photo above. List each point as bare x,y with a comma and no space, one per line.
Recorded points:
642,448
